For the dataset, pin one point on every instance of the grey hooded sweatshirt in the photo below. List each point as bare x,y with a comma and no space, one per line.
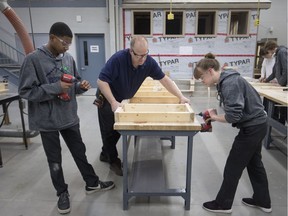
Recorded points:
242,103
40,76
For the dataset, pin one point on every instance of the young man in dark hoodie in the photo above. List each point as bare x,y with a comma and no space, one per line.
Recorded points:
279,72
280,66
243,109
40,83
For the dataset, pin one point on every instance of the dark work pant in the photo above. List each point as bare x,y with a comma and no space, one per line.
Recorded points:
109,136
52,148
245,152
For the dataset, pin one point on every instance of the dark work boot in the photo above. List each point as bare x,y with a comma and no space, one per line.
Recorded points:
116,167
104,157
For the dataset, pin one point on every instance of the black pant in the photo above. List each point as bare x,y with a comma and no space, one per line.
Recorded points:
245,152
52,148
109,136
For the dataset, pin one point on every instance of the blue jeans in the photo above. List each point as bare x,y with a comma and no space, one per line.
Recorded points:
245,153
52,148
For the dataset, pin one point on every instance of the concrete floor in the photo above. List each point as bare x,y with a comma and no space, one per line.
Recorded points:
26,189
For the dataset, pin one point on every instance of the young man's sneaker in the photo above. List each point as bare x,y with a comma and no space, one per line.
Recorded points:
116,167
212,206
63,203
250,202
102,186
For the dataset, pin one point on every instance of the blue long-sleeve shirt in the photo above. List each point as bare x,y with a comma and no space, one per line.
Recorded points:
124,80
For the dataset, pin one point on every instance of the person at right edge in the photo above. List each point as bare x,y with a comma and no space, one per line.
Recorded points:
243,109
120,79
280,72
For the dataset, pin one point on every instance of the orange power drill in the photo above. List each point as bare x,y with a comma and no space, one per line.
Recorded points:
67,78
206,126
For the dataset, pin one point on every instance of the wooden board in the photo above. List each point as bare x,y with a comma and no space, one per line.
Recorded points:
186,126
263,84
272,91
150,82
155,100
4,87
143,113
152,93
156,88
277,95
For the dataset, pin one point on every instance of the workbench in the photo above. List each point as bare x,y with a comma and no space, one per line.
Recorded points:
135,185
5,99
275,96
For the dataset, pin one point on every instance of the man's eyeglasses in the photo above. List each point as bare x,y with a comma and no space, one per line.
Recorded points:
140,56
64,43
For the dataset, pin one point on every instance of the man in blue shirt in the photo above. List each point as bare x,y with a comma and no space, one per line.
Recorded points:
120,79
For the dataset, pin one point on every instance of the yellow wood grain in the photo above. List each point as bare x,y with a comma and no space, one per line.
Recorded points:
142,113
157,100
272,91
183,126
152,93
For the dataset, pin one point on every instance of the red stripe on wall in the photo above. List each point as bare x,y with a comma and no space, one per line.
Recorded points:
201,55
190,34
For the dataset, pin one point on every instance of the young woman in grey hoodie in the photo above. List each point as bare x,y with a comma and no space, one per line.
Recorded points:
243,109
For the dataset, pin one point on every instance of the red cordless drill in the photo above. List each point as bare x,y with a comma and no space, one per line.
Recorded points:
206,126
67,78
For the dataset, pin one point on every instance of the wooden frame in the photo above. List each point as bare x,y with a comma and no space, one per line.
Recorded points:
133,19
215,23
149,113
183,24
236,24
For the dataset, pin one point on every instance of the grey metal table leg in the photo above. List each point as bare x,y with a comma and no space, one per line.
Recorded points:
125,173
270,111
173,142
188,172
1,162
23,123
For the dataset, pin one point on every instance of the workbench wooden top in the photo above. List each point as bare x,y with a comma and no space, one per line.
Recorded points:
272,91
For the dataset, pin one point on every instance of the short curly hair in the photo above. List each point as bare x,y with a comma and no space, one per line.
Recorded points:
270,45
61,29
